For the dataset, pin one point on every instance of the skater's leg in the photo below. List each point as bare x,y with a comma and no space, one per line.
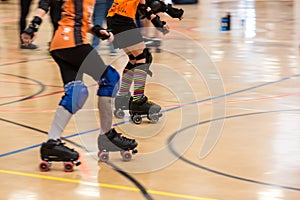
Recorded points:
123,98
59,122
109,139
127,76
76,93
73,99
108,87
141,70
140,104
105,112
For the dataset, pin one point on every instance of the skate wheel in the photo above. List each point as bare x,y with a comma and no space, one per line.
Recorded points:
153,117
77,163
119,114
137,119
103,156
134,151
44,166
126,155
68,166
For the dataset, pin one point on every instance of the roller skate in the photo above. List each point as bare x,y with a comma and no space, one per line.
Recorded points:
144,107
55,150
152,42
113,141
122,103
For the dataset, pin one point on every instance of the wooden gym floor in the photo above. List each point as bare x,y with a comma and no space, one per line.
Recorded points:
230,129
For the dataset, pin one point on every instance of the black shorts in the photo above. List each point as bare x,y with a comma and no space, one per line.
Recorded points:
73,62
125,31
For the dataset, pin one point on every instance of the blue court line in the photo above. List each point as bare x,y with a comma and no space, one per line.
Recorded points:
167,110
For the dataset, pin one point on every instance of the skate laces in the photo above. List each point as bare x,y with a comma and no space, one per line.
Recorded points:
124,139
60,143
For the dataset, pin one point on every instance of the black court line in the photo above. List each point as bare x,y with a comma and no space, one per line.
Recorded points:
40,131
40,84
138,185
219,172
24,61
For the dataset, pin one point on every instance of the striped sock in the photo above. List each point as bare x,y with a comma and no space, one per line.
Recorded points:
127,78
139,78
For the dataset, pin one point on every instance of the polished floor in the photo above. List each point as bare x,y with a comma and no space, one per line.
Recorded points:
230,129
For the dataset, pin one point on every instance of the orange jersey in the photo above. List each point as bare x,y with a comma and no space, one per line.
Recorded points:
74,24
125,8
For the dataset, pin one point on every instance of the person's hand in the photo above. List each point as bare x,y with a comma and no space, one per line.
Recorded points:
27,38
109,35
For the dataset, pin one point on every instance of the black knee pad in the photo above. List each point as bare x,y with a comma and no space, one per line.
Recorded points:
131,57
129,65
144,66
146,54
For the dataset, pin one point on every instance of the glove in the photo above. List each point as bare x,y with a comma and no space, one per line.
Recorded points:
33,26
160,25
96,31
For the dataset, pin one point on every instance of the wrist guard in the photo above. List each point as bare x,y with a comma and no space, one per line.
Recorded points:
144,12
96,31
159,24
174,12
33,26
44,5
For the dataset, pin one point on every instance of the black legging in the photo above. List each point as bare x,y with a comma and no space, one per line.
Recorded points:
73,62
25,5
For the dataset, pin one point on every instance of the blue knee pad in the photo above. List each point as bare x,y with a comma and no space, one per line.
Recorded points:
109,83
75,96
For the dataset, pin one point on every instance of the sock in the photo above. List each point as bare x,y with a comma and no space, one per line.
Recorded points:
139,78
105,112
60,121
126,82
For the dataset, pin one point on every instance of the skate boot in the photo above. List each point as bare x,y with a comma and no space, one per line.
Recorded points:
152,42
113,141
55,150
144,107
121,104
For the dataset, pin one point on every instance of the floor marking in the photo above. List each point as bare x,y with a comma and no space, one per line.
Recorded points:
181,157
105,185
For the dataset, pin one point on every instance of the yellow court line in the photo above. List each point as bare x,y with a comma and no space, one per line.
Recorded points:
120,187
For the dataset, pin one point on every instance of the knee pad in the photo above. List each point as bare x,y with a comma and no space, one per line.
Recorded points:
75,96
131,57
129,65
146,54
109,83
144,66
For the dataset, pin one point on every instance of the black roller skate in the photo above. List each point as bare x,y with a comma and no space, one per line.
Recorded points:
152,42
144,107
113,141
55,150
121,104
